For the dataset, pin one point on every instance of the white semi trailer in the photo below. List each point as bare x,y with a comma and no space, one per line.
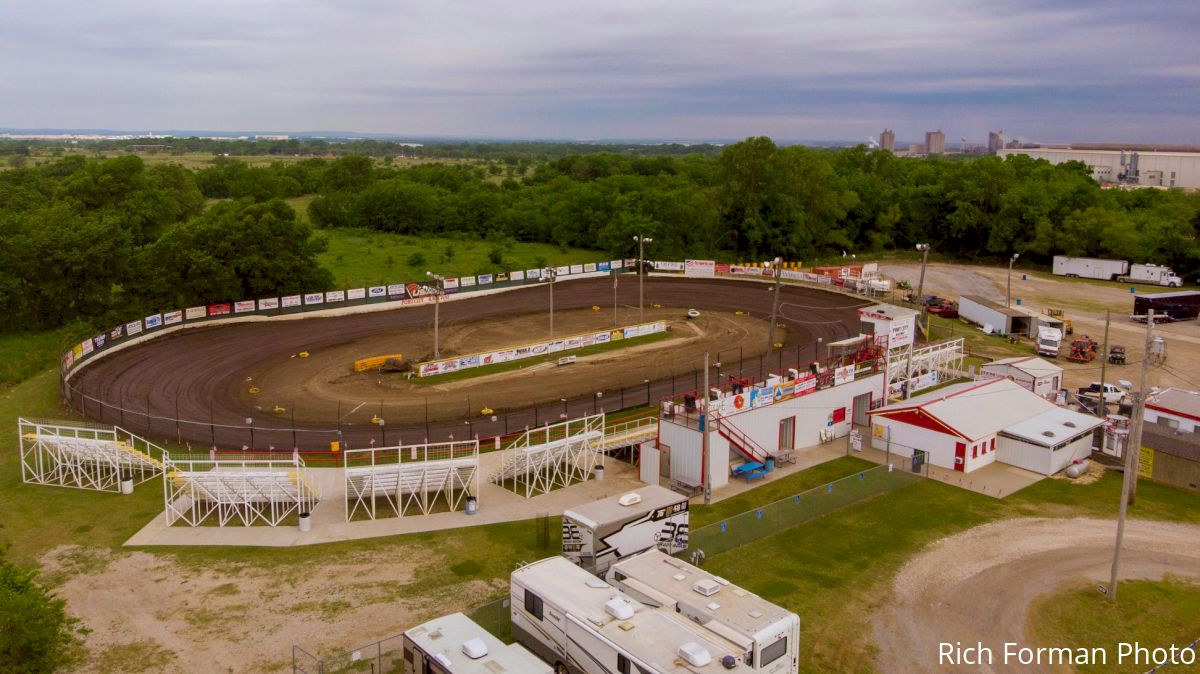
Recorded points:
455,644
596,534
1090,267
1152,273
768,634
582,625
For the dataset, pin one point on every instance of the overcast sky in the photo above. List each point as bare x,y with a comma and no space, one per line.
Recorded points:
1062,70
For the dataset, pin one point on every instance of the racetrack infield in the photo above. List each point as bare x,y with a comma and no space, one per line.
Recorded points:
201,376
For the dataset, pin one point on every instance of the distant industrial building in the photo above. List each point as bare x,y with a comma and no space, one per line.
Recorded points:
935,142
887,140
995,141
1112,164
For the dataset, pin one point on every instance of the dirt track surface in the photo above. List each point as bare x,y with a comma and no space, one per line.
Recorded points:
200,375
978,585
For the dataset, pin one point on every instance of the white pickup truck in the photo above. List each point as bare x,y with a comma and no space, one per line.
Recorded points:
1112,392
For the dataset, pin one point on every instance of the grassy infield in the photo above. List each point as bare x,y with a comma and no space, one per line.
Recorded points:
833,570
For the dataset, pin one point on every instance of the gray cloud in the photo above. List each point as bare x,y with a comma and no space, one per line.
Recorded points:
1070,70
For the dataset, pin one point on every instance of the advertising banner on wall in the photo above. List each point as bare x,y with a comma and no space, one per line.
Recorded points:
220,309
291,301
576,269
699,268
517,275
843,375
99,340
589,267
116,333
900,333
722,268
193,313
314,298
153,321
85,347
603,266
356,293
268,303
335,296
133,328
173,317
466,281
533,273
485,279
77,351
501,277
377,291
450,284
245,306
395,290
667,265
420,290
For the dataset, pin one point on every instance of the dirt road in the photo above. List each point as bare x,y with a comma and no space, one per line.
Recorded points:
978,585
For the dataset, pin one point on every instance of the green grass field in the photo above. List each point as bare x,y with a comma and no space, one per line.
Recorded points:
362,257
1151,613
23,354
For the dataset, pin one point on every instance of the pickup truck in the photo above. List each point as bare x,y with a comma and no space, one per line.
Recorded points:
1112,392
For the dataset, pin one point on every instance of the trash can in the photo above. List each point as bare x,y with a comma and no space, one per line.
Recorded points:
305,520
770,465
598,472
126,484
472,505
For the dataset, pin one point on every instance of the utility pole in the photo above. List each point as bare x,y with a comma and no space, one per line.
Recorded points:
1102,408
775,265
1133,448
439,285
615,279
707,422
641,242
549,274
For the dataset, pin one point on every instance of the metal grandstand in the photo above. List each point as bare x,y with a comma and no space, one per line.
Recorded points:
552,456
247,490
410,479
84,456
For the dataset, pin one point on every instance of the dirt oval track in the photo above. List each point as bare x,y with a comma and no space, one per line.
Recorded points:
186,386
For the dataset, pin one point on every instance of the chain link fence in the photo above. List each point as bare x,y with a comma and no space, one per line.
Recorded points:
730,533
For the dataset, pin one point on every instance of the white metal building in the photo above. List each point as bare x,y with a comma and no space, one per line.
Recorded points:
967,426
1148,168
1175,408
1035,374
1003,320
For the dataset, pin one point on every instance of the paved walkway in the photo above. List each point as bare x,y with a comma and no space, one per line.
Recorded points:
496,504
995,479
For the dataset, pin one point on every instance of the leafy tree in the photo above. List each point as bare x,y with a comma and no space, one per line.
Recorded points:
36,634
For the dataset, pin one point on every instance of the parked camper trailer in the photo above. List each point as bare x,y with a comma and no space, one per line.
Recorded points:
455,644
768,634
583,625
596,534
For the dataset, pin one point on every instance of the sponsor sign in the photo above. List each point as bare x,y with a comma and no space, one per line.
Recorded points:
566,360
630,332
173,317
563,270
466,281
664,265
589,267
603,266
576,269
699,268
572,343
792,274
517,275
616,264
762,396
86,347
356,293
133,328
555,346
421,290
900,332
291,301
335,296
533,273
450,284
922,382
806,384
243,307
68,359
117,332
603,337
268,303
193,313
377,291
77,352
485,279
220,309
395,290
428,369
153,321
629,262
722,268
502,277
843,375
314,298
99,340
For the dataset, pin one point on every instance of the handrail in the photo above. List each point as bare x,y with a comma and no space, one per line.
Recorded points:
741,441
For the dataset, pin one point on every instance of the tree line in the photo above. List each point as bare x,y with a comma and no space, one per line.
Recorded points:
105,239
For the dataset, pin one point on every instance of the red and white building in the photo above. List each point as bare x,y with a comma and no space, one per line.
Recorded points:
1174,408
967,426
1035,374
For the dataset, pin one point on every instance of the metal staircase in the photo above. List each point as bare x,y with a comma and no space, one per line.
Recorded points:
743,443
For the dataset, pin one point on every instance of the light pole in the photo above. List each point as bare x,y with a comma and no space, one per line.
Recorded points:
1008,295
440,283
774,265
641,242
549,274
924,248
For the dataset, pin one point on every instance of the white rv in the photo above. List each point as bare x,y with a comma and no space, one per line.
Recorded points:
768,635
596,534
583,625
455,644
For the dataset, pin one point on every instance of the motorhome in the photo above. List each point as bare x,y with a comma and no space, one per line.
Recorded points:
767,634
455,644
583,625
596,534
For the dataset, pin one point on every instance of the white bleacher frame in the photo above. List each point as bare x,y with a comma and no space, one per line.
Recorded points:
410,479
556,455
245,489
84,456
